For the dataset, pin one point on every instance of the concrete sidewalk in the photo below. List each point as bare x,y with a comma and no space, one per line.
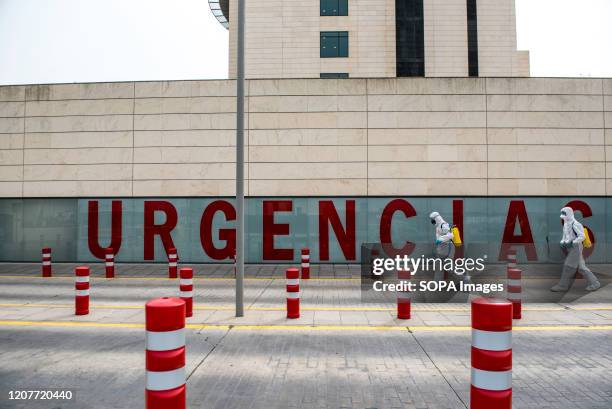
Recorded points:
341,353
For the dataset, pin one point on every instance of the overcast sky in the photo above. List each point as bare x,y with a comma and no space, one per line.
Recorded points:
46,41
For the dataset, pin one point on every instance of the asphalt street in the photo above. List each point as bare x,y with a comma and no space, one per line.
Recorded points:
341,353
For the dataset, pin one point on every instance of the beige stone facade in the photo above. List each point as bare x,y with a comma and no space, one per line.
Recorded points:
310,137
283,39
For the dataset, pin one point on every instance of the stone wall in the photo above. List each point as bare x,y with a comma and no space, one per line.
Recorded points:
310,137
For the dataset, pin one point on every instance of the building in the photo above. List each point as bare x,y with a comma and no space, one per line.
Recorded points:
376,38
331,164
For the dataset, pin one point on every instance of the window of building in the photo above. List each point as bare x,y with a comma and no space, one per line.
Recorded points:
334,44
334,7
472,25
334,75
410,38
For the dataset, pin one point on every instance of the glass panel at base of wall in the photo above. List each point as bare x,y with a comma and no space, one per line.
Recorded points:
28,225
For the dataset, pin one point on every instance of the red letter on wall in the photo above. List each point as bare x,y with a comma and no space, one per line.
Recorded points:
92,228
346,237
458,221
397,205
228,235
585,209
525,238
162,230
271,229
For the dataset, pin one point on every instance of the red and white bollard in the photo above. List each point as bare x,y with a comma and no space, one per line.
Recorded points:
491,354
511,259
109,262
514,291
165,354
186,289
403,297
305,264
81,294
46,262
172,263
293,293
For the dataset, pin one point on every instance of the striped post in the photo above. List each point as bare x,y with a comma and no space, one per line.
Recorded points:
403,297
293,293
46,262
172,263
514,291
511,259
81,293
186,289
491,354
110,262
305,264
165,354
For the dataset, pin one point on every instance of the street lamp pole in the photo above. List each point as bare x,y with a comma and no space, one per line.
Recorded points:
240,162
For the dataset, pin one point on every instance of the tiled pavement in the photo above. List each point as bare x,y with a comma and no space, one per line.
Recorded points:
340,354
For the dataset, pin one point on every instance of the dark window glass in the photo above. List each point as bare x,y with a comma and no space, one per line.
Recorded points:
334,75
334,7
472,25
410,39
334,44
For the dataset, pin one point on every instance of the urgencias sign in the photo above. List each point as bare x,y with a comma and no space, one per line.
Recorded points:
332,228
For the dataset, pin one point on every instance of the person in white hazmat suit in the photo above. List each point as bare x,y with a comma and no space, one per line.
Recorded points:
573,236
444,236
444,247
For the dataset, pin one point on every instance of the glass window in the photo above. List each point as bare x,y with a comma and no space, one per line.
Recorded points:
334,44
334,7
410,39
472,24
334,75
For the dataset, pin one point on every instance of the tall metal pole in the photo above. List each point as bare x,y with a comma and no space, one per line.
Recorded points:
240,163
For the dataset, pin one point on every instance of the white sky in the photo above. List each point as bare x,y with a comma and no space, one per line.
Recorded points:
46,41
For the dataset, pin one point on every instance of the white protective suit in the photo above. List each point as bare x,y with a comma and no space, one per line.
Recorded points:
444,247
573,236
444,236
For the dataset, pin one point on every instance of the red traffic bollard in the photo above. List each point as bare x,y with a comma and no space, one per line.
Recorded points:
46,262
305,264
514,290
172,263
293,293
403,297
186,289
81,295
165,354
109,262
511,258
491,354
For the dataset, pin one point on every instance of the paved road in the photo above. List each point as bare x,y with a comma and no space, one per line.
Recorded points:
340,354
305,368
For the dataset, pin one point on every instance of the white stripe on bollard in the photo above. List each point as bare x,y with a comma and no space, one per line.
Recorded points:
165,341
161,381
492,380
81,293
492,340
